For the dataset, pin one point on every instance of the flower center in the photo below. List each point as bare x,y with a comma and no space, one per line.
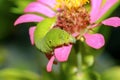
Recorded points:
70,3
74,21
72,16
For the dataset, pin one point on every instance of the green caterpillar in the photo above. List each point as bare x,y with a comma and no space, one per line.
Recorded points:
46,39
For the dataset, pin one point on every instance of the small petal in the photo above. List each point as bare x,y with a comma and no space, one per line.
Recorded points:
94,40
40,8
75,34
31,34
93,25
113,21
28,18
62,53
51,3
50,63
96,4
106,7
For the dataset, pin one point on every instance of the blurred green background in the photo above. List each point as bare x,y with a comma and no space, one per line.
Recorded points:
19,60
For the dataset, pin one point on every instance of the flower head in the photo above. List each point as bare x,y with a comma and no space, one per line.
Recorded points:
72,17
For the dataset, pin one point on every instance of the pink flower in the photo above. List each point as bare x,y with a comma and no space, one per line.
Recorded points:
93,40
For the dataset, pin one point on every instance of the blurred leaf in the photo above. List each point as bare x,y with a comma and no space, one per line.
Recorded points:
85,76
111,74
20,5
15,74
3,53
5,18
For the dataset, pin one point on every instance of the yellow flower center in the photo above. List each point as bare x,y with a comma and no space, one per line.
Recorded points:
70,3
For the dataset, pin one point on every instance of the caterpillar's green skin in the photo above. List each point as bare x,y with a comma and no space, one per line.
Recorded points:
46,39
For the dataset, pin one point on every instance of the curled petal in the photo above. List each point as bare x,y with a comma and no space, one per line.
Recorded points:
51,3
31,34
50,63
94,40
96,5
40,8
113,21
28,18
62,53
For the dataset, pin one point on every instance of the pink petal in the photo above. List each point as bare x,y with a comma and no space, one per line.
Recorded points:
106,7
94,40
62,53
113,21
51,3
75,34
31,34
28,18
40,8
96,4
50,63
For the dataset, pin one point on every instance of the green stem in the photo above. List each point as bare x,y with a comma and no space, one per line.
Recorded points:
79,61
